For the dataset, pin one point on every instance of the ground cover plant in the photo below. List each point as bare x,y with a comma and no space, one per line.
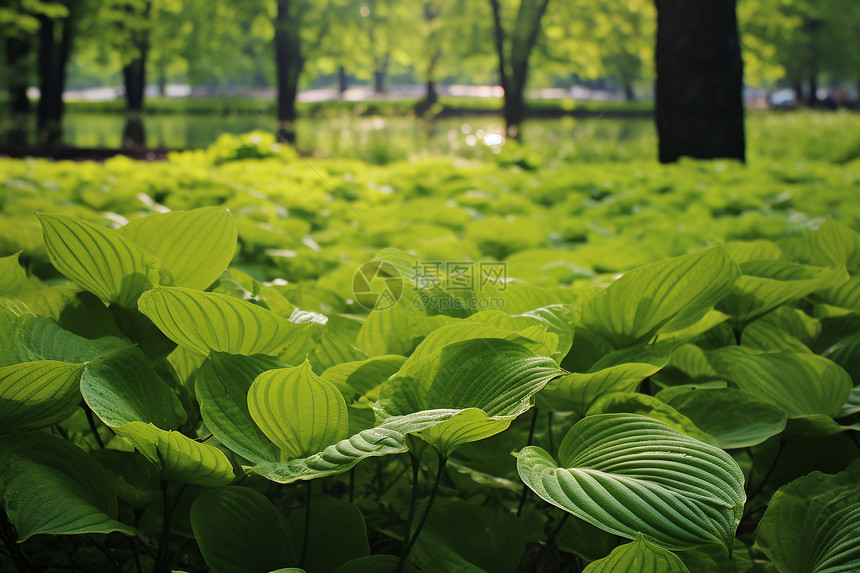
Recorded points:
241,360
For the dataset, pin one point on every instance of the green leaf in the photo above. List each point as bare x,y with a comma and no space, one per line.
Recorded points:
397,330
644,405
205,321
735,419
629,474
459,533
122,387
375,564
297,410
811,524
38,394
195,245
135,478
222,386
495,378
661,297
583,539
337,534
619,371
766,285
799,384
44,338
363,377
641,556
179,457
101,260
14,279
51,486
832,245
240,531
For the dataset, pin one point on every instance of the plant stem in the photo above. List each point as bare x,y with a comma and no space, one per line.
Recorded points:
307,523
528,443
549,416
770,470
135,551
443,460
351,484
551,541
416,468
92,423
9,536
162,563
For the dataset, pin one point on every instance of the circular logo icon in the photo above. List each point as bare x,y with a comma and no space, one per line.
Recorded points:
377,285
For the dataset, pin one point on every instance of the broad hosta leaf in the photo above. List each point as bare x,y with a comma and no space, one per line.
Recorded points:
222,389
135,478
800,384
13,278
620,371
299,411
641,556
661,297
49,485
195,245
240,531
179,457
38,394
812,524
497,378
205,321
833,244
123,387
100,260
397,330
766,285
846,295
337,534
629,474
387,438
45,338
375,564
745,251
734,418
363,378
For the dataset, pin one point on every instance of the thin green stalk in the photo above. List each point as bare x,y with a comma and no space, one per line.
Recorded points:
105,552
307,523
416,469
551,541
770,470
21,561
134,549
549,416
528,443
351,484
443,460
162,563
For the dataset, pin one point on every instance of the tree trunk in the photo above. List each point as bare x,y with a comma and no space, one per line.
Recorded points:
629,92
289,62
379,75
797,88
17,50
134,80
342,80
812,99
699,99
52,61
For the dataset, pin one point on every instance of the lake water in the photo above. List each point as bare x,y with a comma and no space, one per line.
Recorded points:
382,140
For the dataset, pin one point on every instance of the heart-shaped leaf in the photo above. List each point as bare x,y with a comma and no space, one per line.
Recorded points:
195,245
38,394
179,457
122,387
43,337
207,321
299,411
630,474
811,524
363,377
49,485
239,530
665,296
641,556
222,386
337,534
801,384
100,260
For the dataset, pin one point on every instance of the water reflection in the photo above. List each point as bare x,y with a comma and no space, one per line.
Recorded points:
380,140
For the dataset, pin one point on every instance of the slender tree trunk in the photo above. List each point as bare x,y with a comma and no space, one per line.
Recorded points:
812,100
797,88
17,51
379,75
629,92
55,45
342,80
289,62
699,99
134,80
514,67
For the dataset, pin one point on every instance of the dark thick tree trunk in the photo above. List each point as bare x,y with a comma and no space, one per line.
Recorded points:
17,52
342,80
379,75
431,94
514,66
812,96
699,100
55,44
797,88
289,62
134,79
629,92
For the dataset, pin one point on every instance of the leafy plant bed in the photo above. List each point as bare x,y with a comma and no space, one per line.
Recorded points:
244,361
